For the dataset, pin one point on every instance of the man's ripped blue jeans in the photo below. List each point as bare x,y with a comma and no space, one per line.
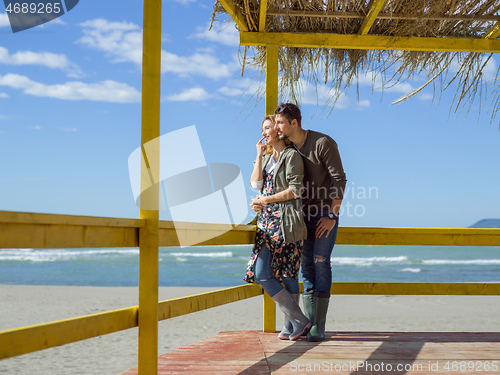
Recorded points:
316,253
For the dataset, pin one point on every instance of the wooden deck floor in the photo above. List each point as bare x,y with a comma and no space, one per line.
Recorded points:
255,353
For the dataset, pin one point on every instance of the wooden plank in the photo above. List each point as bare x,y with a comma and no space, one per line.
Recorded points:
268,314
24,340
55,236
251,352
186,305
55,219
234,13
371,16
149,211
477,289
262,15
494,32
272,74
383,16
32,230
238,235
419,236
38,337
370,42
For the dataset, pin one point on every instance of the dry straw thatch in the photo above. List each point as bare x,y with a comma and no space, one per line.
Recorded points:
339,68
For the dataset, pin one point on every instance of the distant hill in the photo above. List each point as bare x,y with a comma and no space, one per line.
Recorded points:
487,223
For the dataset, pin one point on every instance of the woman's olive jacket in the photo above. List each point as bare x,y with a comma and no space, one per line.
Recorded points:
288,174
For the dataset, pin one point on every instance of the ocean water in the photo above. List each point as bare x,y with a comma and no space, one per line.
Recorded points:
226,265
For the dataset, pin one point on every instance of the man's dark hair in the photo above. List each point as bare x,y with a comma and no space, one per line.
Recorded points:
290,111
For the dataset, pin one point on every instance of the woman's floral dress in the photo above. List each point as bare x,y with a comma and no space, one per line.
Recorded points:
286,257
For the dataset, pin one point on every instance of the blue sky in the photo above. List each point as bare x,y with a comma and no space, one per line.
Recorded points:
70,116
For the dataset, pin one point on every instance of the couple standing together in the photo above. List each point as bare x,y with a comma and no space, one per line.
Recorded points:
301,179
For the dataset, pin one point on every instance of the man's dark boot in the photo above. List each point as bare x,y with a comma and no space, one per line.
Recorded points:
317,332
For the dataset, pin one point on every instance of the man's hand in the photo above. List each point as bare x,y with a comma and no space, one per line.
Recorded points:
324,225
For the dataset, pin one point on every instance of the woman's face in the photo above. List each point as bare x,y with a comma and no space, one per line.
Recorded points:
269,132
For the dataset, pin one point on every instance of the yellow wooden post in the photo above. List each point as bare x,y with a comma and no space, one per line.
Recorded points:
262,15
272,51
148,235
271,103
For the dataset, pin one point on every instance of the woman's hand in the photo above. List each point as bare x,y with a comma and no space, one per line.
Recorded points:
256,207
257,204
260,200
261,146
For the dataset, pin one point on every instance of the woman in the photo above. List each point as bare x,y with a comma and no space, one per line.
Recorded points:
278,172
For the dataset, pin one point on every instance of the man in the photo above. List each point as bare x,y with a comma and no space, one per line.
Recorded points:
324,183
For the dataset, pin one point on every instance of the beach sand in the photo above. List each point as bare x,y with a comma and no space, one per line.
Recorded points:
114,353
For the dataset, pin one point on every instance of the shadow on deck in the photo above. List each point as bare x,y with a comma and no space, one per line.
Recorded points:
255,353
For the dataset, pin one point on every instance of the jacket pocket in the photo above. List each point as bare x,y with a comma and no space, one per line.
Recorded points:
294,226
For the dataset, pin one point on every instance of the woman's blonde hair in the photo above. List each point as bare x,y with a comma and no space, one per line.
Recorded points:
269,149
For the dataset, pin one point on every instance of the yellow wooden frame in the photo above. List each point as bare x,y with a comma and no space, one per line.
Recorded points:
29,339
42,231
370,42
371,16
22,230
234,13
149,233
494,32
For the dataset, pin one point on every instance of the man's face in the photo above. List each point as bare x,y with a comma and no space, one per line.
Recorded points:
283,127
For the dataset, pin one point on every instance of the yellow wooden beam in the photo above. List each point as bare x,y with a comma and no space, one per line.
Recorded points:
149,234
63,231
269,314
492,33
375,7
36,218
25,340
375,42
39,236
380,16
475,289
272,74
29,339
186,305
262,15
234,13
218,234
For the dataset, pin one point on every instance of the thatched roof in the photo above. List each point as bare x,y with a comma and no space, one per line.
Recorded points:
339,68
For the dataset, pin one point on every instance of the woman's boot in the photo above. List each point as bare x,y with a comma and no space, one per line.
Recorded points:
288,328
287,304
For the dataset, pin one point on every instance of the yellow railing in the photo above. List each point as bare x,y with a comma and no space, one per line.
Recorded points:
48,231
30,230
29,339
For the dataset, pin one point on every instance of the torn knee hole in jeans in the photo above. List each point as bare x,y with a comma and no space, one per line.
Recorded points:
318,258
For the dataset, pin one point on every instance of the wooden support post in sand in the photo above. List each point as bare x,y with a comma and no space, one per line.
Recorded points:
271,103
148,235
